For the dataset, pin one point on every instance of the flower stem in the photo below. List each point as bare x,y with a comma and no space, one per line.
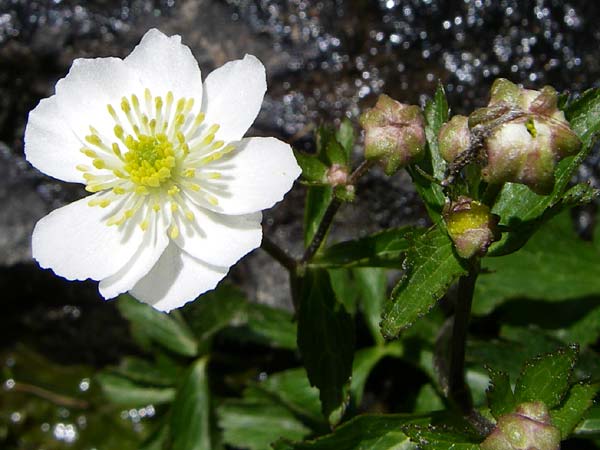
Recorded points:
330,213
57,399
458,392
278,254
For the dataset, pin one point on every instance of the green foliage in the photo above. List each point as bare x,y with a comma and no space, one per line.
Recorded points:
158,327
431,267
436,114
501,399
383,249
190,416
326,341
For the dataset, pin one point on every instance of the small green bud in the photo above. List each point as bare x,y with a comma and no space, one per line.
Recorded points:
394,133
471,226
526,149
454,137
529,427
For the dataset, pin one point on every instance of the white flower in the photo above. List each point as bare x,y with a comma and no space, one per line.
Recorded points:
177,192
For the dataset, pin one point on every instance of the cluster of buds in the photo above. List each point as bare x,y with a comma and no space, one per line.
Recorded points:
526,147
394,134
529,427
471,226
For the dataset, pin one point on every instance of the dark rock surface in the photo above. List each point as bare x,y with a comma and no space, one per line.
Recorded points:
325,60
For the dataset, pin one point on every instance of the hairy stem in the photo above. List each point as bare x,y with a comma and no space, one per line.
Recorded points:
330,213
278,254
458,392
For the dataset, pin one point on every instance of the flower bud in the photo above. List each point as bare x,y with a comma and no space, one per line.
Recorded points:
529,427
454,137
471,226
337,175
394,133
526,149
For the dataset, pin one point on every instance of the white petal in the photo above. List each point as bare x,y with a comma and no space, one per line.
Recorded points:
219,239
50,145
254,177
176,279
233,94
154,242
91,85
164,64
75,242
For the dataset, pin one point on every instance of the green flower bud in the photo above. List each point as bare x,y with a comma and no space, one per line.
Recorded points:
527,428
471,226
394,133
526,149
454,137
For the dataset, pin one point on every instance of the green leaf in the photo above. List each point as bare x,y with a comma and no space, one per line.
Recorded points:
124,392
546,378
345,136
143,371
190,415
256,421
428,400
517,205
372,287
590,425
384,249
271,326
578,401
436,114
312,169
364,362
158,327
344,287
555,265
325,340
336,154
318,199
431,268
501,399
366,432
292,389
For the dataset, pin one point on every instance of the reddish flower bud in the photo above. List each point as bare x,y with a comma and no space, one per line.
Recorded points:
529,427
337,175
471,226
454,137
394,133
526,149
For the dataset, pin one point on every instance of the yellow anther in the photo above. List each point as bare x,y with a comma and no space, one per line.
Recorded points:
118,130
174,207
199,118
117,150
180,105
214,175
99,163
212,200
89,176
147,95
180,137
208,139
185,149
82,168
217,144
194,187
129,213
170,97
119,190
156,207
94,139
214,128
104,203
190,216
144,225
174,232
135,102
141,190
173,191
119,174
189,173
125,106
158,103
152,126
112,112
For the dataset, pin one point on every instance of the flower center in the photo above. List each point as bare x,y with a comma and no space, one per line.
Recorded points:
150,159
160,153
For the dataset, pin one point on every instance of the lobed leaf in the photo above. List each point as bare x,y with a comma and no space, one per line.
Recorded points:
579,399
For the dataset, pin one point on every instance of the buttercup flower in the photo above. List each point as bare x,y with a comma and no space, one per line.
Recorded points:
176,189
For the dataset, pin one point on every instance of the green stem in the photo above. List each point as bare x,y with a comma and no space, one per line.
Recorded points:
458,391
57,399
